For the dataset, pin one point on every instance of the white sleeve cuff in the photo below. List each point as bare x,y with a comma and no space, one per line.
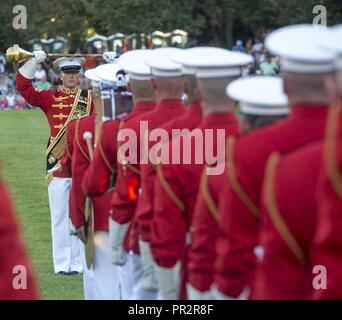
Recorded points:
169,281
29,69
117,234
148,265
194,294
218,295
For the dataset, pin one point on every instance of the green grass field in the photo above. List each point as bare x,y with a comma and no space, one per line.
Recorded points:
23,139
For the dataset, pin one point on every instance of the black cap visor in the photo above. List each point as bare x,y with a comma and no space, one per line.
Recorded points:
71,69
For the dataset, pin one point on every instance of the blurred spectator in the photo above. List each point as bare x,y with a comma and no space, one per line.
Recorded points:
40,73
269,67
42,84
2,63
11,100
239,47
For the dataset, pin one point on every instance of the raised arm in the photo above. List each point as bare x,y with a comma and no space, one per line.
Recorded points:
24,79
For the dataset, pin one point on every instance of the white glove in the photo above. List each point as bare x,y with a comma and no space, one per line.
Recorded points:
169,281
149,274
109,56
218,295
117,234
194,294
39,56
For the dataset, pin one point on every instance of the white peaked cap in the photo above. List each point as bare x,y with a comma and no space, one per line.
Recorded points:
333,41
108,71
134,64
91,75
183,56
298,48
259,95
69,64
161,64
218,63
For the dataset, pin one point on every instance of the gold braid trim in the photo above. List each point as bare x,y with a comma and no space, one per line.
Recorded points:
273,210
330,150
167,188
105,159
78,140
234,182
207,196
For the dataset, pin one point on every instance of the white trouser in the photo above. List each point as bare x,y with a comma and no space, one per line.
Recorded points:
106,275
139,293
126,280
88,276
65,249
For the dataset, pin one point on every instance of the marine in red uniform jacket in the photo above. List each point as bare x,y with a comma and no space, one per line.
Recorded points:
96,179
240,214
67,156
80,163
13,254
55,105
328,241
172,219
125,198
190,120
204,229
289,210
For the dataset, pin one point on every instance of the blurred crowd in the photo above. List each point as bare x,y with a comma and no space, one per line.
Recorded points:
47,76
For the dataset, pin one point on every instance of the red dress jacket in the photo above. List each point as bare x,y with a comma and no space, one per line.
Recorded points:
240,213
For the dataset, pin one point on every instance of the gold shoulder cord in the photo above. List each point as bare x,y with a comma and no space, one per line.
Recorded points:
234,182
207,196
330,149
127,165
273,210
167,188
105,159
78,140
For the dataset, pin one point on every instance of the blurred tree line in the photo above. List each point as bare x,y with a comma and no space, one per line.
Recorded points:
216,22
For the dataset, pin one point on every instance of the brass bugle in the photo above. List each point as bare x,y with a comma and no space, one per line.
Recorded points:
17,55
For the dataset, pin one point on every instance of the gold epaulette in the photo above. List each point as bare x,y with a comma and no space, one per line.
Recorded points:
167,188
207,196
273,211
330,149
233,179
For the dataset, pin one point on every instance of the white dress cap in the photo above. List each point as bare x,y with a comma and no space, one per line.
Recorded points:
108,71
91,75
259,95
333,41
181,57
161,64
297,46
69,64
134,64
218,63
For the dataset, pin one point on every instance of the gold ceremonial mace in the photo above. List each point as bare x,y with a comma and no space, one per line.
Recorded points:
17,55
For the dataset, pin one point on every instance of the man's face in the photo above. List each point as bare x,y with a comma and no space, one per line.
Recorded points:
70,80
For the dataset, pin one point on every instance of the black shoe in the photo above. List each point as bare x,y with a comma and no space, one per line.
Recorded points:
63,273
74,273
